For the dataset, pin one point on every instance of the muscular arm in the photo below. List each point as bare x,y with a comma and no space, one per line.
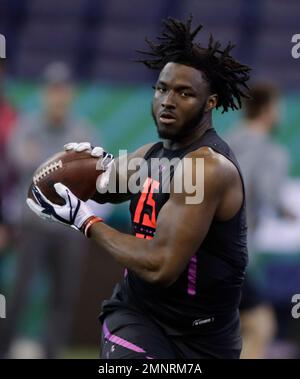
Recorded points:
181,228
117,175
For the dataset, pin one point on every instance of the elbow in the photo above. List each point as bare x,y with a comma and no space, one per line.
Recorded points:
162,272
162,278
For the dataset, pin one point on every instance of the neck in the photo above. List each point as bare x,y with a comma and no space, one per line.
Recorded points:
196,134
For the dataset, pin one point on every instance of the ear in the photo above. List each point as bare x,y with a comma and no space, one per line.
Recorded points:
211,102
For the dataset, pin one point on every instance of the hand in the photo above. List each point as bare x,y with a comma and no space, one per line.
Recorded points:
97,152
74,213
107,162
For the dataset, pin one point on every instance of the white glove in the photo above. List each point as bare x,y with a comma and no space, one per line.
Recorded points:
74,213
106,160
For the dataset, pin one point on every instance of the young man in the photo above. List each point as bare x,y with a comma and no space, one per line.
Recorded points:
186,262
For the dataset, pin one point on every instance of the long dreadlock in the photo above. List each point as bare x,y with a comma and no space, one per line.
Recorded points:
226,76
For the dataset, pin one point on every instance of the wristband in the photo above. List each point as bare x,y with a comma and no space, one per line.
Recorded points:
88,223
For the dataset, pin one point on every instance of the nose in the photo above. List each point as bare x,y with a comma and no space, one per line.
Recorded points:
169,101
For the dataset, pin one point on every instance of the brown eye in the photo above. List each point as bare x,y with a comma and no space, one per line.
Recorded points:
185,94
161,89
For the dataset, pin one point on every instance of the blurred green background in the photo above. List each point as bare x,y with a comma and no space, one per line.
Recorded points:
121,115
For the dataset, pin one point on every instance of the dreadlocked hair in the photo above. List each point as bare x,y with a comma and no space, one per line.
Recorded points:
227,77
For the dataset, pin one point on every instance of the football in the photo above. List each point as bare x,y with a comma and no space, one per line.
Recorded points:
76,170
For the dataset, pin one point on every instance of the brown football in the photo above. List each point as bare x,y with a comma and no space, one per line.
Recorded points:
76,170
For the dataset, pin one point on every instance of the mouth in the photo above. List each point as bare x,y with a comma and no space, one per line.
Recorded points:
167,118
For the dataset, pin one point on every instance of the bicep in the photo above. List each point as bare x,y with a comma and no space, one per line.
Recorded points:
182,227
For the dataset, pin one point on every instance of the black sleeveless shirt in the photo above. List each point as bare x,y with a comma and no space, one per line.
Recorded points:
206,296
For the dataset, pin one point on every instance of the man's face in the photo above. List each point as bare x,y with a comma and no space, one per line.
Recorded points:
179,101
57,100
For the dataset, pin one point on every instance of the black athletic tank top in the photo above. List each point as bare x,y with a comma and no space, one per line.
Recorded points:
206,296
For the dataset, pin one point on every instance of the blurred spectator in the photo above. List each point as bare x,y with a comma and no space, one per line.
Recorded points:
8,117
264,162
264,165
7,114
55,251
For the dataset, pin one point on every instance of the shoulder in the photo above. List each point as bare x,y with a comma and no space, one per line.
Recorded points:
125,160
219,172
214,162
28,126
141,151
138,153
276,152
